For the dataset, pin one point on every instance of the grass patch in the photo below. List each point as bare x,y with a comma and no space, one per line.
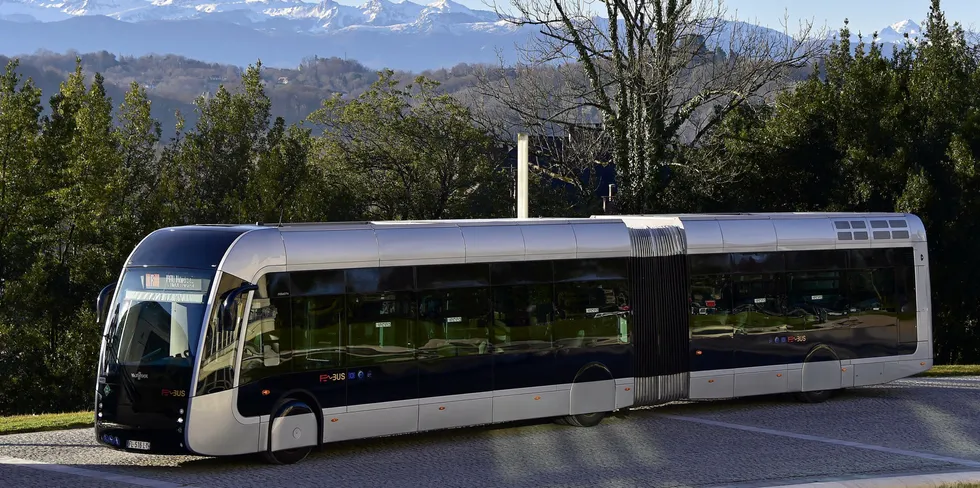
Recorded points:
961,485
19,424
953,370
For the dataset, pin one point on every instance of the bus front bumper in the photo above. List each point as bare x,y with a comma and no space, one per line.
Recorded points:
139,440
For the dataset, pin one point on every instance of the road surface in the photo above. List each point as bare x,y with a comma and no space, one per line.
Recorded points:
911,426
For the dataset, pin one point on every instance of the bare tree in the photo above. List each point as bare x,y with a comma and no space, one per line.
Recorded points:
656,80
570,152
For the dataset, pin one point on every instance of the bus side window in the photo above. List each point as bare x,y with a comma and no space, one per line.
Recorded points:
592,302
711,306
523,298
453,310
380,316
318,332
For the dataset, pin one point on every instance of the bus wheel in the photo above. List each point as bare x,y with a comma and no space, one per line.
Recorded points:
290,407
288,456
585,419
817,396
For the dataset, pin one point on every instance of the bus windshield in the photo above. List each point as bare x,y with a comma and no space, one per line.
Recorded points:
157,317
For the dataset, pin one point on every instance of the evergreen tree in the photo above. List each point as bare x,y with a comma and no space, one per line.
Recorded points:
412,153
217,158
879,134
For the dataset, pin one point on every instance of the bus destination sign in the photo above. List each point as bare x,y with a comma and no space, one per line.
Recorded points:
155,281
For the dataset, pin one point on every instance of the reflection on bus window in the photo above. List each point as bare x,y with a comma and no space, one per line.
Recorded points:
268,340
711,306
318,332
381,327
756,304
454,322
817,296
591,313
523,316
871,298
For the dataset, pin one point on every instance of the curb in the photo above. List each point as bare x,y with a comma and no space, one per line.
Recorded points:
918,481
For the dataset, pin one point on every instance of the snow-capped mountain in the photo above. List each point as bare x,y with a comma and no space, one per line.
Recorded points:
303,16
895,33
378,33
328,15
54,10
383,12
454,13
93,7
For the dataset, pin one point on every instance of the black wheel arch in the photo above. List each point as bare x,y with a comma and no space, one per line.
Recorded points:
301,395
586,372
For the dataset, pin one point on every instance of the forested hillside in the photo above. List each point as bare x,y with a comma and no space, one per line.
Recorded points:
174,82
85,171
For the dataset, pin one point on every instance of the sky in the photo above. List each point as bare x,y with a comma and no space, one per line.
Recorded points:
864,15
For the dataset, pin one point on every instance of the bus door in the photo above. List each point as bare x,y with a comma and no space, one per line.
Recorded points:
453,337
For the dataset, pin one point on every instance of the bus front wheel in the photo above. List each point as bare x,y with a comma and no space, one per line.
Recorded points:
288,456
291,408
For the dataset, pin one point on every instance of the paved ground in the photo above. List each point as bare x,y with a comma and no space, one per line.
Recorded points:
908,427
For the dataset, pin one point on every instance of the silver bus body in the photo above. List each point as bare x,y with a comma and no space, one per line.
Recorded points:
681,345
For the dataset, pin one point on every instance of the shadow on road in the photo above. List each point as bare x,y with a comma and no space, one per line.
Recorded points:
638,448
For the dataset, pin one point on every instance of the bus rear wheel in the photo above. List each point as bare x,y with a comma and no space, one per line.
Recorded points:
817,396
584,419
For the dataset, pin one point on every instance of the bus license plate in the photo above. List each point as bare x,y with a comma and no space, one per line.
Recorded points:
141,445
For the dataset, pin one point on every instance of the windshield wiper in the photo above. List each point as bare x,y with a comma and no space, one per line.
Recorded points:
150,354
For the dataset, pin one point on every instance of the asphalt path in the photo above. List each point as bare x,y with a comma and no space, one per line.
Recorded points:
912,426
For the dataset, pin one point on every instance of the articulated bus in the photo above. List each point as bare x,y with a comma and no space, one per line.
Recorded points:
276,339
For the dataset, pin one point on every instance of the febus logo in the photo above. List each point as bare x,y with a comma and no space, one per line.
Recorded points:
139,376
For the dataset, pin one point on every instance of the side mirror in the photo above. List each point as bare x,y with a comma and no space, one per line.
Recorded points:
101,303
270,353
227,313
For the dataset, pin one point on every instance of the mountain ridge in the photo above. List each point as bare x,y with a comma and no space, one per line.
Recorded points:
327,15
380,33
